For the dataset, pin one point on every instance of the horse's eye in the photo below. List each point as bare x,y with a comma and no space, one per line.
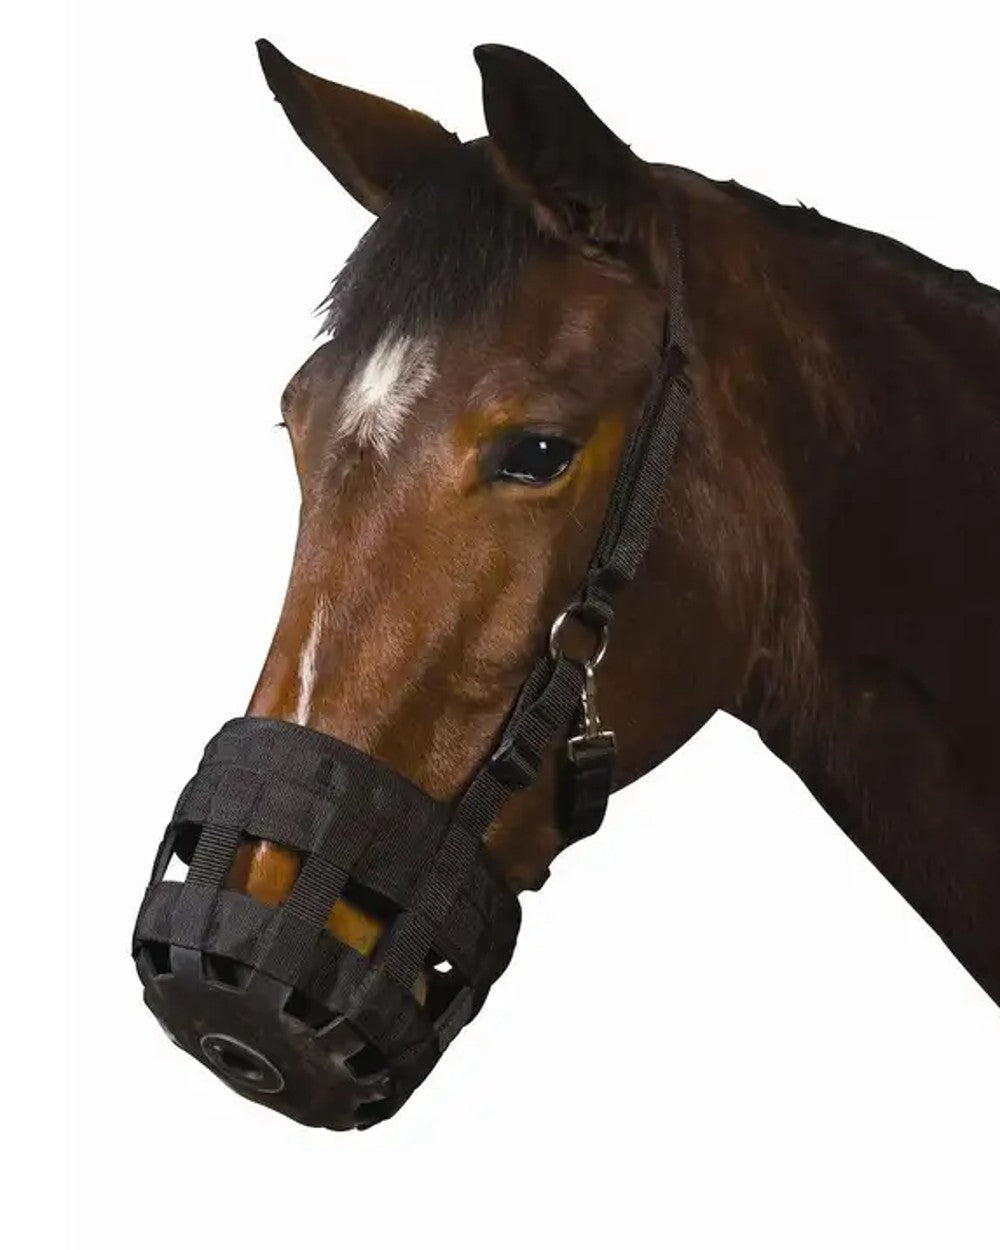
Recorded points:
535,458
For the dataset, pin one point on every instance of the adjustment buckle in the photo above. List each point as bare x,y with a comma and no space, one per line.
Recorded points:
513,765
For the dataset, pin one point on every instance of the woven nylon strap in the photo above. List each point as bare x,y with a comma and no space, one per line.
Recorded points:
638,492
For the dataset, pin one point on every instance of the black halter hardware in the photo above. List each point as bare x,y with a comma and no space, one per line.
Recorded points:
270,1000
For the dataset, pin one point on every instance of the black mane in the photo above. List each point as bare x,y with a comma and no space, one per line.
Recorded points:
449,247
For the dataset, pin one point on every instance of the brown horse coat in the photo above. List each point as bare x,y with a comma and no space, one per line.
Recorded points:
828,563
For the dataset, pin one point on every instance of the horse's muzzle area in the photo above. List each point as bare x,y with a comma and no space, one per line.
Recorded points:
248,1029
273,998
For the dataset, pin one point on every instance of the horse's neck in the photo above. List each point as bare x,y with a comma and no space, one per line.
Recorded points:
885,423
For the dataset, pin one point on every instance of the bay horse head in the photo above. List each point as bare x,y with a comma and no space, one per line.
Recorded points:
491,342
459,438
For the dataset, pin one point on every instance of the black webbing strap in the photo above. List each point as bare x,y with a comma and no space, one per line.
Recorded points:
535,722
637,496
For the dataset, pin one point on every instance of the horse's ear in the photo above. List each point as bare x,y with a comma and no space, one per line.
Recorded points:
585,184
370,145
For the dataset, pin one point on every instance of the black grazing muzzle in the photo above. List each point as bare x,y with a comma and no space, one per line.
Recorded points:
267,997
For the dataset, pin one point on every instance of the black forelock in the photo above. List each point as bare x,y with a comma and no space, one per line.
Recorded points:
448,247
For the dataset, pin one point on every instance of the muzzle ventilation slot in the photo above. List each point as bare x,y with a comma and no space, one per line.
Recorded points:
440,981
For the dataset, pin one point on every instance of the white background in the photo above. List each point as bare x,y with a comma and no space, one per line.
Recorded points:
722,1027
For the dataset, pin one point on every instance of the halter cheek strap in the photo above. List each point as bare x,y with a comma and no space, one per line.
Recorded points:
587,760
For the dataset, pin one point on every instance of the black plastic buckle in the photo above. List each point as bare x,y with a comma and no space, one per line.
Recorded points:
586,773
513,766
586,776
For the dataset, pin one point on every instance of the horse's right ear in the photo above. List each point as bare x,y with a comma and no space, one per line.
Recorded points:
370,145
583,182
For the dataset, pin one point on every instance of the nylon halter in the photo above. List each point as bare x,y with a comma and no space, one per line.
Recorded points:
266,996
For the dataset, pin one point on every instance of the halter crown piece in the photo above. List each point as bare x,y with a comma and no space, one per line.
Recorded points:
265,996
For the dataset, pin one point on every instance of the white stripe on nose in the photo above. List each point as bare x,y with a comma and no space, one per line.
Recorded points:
307,662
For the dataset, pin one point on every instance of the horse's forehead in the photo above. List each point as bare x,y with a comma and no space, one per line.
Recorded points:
384,386
362,398
368,395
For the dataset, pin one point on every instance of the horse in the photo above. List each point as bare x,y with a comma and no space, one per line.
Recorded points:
824,563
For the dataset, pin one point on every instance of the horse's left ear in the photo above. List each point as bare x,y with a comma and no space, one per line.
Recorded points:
586,184
370,145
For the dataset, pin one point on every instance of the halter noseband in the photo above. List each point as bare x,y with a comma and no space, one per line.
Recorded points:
266,996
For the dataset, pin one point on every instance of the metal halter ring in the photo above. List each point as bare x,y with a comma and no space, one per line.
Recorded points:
602,631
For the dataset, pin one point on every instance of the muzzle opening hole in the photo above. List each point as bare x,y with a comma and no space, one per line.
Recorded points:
240,1064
